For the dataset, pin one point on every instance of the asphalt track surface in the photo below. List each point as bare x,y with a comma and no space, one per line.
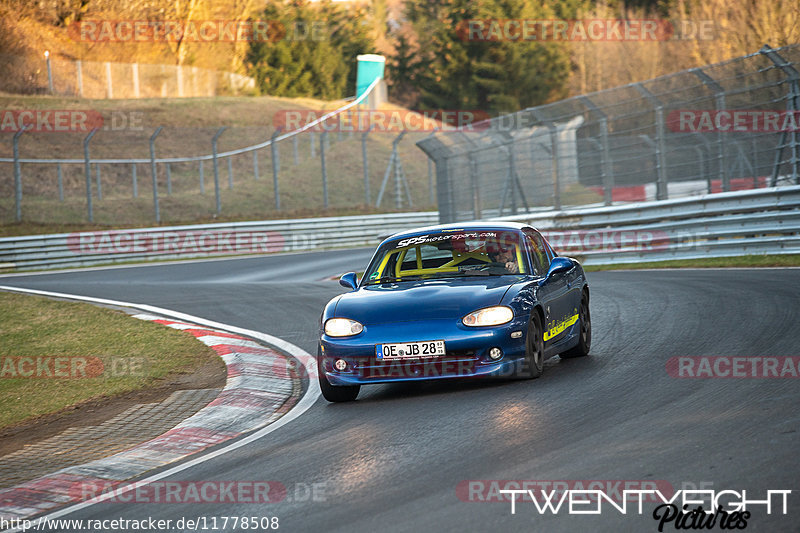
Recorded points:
392,460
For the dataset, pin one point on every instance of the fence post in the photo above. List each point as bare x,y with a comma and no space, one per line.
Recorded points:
386,175
169,178
389,168
322,138
153,172
179,74
60,182
661,161
109,87
273,146
49,72
99,183
79,73
87,164
475,185
134,181
606,169
719,98
230,172
365,165
216,167
430,182
509,185
202,179
553,129
18,173
792,106
398,177
135,76
295,141
255,165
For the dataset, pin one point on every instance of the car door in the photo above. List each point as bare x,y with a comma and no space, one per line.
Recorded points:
570,284
556,294
553,294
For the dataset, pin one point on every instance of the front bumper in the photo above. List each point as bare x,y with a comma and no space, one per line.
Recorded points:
467,352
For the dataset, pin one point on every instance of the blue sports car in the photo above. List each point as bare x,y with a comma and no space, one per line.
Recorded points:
450,301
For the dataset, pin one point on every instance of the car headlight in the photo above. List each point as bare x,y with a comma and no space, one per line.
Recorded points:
489,316
342,327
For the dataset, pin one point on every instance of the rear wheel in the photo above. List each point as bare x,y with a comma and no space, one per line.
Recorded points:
585,333
534,349
333,393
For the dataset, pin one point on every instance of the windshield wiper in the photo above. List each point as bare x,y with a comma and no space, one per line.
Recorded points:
473,272
386,279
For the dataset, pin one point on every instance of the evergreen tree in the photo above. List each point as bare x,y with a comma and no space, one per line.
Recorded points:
457,72
316,56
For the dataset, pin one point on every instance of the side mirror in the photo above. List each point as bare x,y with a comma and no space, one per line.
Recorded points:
558,264
349,280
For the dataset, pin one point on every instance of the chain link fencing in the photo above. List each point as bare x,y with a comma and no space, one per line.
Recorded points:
130,174
106,79
728,126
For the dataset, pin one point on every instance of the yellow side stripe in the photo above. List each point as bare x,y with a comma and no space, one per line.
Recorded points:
559,327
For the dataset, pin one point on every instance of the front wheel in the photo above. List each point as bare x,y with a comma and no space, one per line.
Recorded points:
584,335
534,349
333,393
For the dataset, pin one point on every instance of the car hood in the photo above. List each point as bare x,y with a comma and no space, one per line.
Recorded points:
423,300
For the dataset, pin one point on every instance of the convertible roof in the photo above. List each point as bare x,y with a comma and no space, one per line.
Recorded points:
463,226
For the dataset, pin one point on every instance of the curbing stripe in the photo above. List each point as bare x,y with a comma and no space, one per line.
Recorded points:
262,386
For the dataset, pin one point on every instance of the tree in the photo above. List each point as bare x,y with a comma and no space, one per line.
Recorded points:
458,69
402,67
316,56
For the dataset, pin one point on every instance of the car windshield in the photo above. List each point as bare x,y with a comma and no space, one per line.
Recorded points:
447,255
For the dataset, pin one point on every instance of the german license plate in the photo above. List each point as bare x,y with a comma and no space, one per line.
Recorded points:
409,350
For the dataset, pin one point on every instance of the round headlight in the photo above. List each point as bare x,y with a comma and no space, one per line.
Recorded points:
342,327
489,316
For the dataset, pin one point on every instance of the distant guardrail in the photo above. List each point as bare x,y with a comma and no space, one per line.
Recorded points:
206,240
763,221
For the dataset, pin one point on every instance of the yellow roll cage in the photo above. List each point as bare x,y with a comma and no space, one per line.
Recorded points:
450,266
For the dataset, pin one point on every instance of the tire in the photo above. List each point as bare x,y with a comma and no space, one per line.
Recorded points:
333,393
584,335
534,349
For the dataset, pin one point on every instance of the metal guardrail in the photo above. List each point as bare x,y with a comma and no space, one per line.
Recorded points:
764,221
206,240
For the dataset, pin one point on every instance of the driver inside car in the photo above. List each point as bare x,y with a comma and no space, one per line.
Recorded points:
505,256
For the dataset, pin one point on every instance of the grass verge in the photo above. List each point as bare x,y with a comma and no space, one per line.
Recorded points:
90,353
742,261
